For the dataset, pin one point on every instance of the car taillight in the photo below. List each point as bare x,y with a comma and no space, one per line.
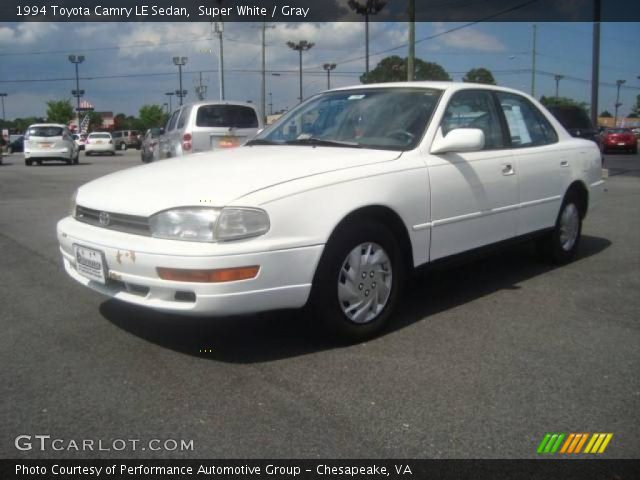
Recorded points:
186,141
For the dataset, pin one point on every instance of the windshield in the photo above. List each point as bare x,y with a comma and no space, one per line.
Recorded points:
381,118
45,132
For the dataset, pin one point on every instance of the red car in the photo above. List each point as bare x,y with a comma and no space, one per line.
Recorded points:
619,139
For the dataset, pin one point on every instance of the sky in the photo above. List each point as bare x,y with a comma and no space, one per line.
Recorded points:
138,59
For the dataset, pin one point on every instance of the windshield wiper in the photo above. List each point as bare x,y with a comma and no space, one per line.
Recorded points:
261,141
323,143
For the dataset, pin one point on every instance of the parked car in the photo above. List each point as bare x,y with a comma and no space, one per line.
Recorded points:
206,126
16,144
619,139
576,121
149,150
45,142
124,139
100,142
80,140
335,203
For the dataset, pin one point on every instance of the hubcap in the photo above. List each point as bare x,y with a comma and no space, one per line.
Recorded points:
569,225
364,282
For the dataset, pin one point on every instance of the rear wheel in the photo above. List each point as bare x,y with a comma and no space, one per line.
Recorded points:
28,162
561,244
359,280
123,146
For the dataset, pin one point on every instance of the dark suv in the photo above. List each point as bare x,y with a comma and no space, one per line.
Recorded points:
576,121
124,139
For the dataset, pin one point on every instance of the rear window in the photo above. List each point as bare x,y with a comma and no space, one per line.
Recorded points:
134,133
572,117
45,132
237,116
619,130
99,135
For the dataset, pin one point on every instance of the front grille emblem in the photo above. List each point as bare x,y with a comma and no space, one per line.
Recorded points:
104,219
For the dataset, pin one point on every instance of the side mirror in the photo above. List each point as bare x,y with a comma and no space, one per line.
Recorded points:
458,140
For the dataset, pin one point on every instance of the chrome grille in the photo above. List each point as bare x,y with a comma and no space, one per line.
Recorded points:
117,221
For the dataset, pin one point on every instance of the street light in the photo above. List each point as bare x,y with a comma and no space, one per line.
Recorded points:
557,79
166,105
273,74
370,7
180,62
170,95
619,83
77,60
328,67
2,95
300,47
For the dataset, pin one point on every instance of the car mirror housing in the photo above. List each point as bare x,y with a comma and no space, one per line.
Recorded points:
458,140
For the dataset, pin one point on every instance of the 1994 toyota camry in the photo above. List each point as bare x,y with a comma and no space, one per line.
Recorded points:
335,204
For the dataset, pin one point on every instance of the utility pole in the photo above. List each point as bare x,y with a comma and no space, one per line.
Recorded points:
412,41
557,78
595,62
533,62
300,47
77,60
619,83
2,95
263,96
201,89
170,95
218,30
328,67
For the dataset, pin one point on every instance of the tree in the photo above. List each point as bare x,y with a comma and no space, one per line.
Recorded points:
606,114
151,116
562,102
59,111
479,75
636,108
95,121
119,120
394,69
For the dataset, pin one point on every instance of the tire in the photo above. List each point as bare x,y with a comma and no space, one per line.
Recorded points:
28,163
123,146
561,244
69,161
336,295
634,150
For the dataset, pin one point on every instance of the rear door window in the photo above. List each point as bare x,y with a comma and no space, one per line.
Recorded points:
172,121
237,116
527,126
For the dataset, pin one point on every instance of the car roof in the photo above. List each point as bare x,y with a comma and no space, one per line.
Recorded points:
440,85
48,125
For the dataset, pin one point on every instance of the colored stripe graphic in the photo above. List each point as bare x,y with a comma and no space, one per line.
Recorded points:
573,443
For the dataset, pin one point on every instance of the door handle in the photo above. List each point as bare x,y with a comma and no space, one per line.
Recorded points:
507,169
564,163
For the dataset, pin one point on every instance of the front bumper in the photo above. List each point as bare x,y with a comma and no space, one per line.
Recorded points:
284,279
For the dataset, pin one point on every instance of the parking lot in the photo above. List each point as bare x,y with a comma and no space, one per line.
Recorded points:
482,360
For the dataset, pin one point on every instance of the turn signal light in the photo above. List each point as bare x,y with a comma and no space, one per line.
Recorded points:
217,275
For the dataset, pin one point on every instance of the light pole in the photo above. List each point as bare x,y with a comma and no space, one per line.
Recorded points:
557,79
369,7
328,67
218,28
166,105
180,62
300,47
619,83
77,60
2,95
170,95
273,74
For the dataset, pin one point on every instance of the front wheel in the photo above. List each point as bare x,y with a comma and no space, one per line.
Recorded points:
561,245
359,280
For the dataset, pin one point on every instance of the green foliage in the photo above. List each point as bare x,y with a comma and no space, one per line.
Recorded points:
59,111
563,102
151,116
636,108
479,75
394,69
606,114
95,121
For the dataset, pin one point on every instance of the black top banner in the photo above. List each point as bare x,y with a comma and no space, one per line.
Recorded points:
319,10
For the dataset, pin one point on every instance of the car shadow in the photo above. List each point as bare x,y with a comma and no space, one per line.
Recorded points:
289,333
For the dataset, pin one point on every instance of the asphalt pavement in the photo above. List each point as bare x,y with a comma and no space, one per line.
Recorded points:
482,360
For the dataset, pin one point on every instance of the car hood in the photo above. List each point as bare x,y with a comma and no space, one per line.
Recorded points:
217,178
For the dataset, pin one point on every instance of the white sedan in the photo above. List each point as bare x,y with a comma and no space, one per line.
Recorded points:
99,142
335,203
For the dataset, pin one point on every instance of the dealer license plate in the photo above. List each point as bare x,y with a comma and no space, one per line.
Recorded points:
90,263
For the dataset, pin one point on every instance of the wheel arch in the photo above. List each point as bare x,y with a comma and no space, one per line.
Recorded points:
579,189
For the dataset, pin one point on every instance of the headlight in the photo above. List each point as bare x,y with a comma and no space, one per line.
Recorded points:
194,224
209,224
72,204
236,223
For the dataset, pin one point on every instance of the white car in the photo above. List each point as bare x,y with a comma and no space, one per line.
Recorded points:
49,141
335,203
99,142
